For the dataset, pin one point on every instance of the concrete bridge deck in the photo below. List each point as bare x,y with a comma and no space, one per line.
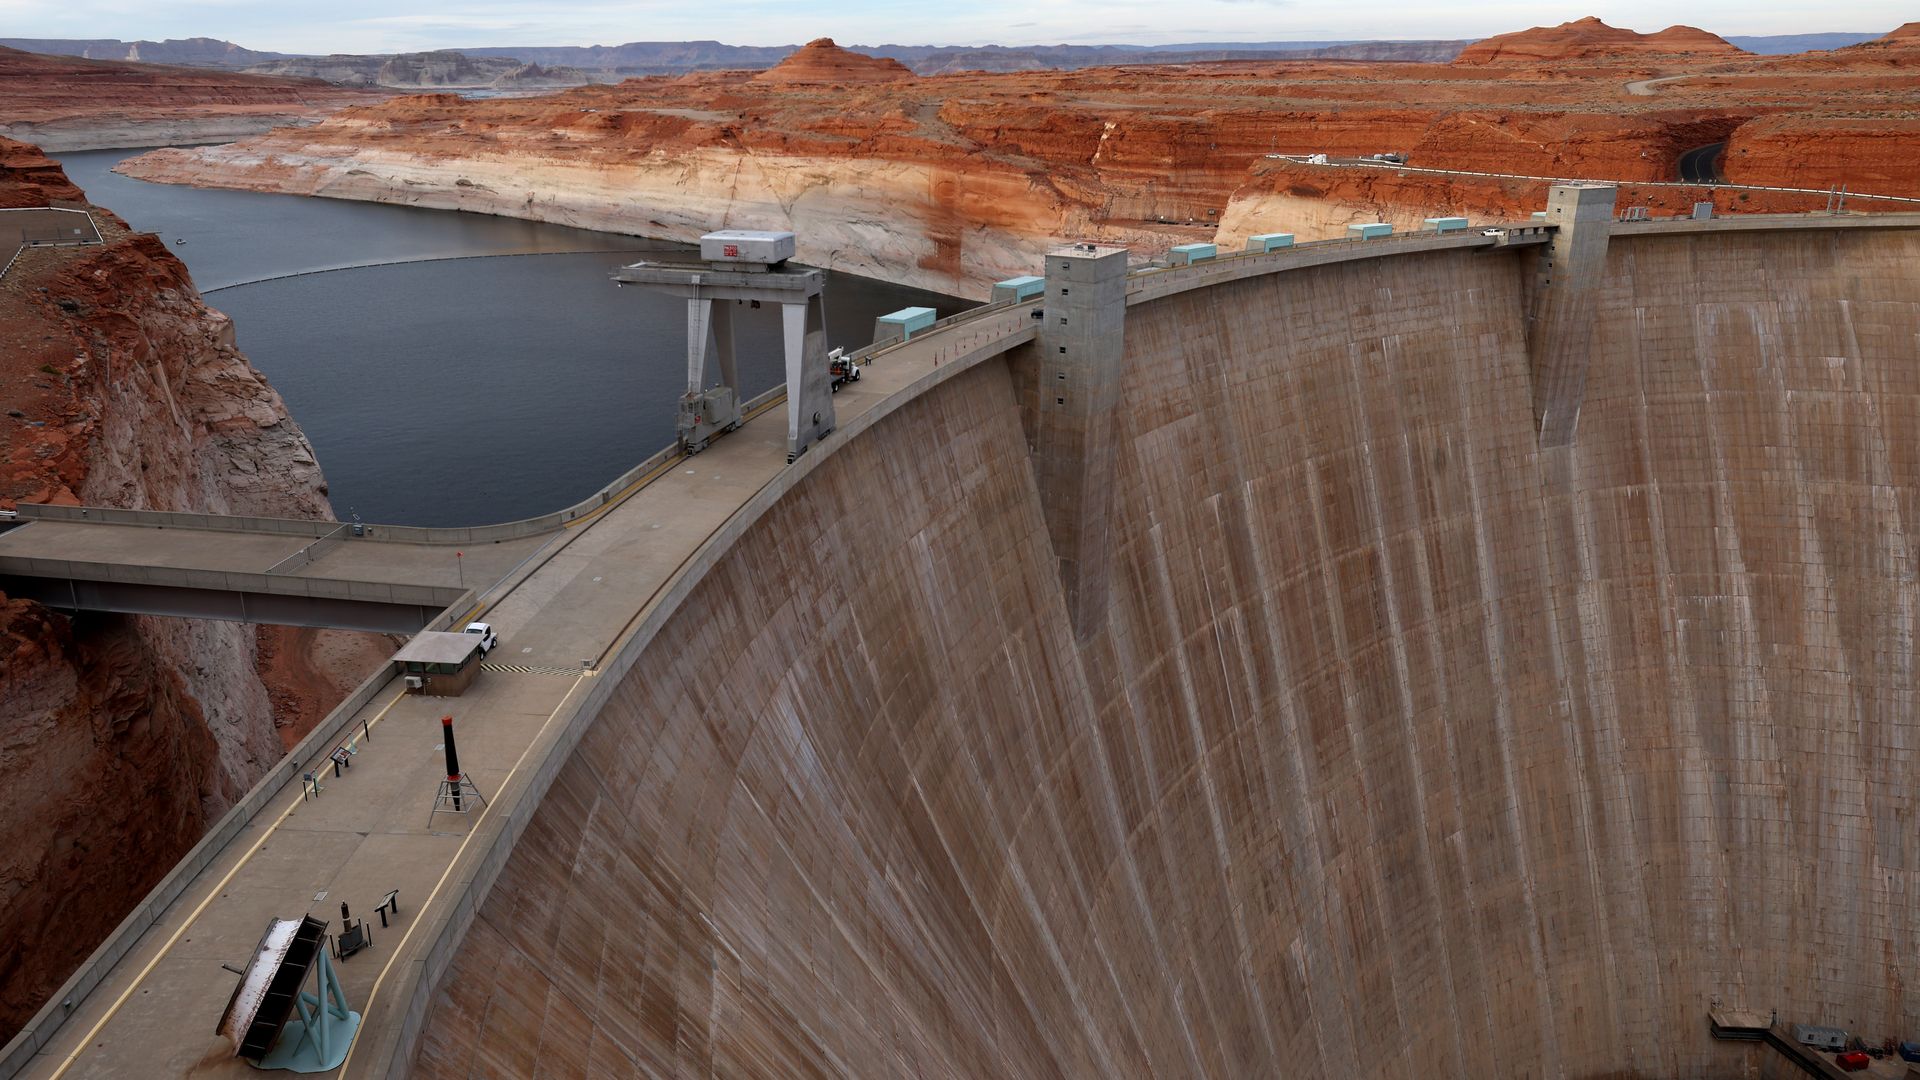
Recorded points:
259,577
376,561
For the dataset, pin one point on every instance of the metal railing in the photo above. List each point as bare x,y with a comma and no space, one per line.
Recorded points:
307,552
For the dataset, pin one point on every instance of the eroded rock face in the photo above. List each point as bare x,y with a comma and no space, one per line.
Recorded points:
952,182
1589,37
821,61
28,178
121,737
111,767
70,103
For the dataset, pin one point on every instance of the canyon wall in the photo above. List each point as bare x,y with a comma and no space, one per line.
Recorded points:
121,737
443,68
67,103
1404,747
955,181
931,225
1864,154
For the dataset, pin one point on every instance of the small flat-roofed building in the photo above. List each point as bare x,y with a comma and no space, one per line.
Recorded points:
439,663
1019,288
1447,224
1188,254
1264,242
1369,230
902,325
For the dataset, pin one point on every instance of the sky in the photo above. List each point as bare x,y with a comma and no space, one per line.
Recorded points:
314,26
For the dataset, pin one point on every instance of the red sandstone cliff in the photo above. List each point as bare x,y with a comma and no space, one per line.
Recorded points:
1589,38
121,737
821,61
953,181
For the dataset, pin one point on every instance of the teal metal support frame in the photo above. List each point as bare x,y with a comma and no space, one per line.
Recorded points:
318,1041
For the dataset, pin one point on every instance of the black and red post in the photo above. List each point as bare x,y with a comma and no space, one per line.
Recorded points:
453,760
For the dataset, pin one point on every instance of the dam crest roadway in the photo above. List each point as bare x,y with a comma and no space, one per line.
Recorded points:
577,598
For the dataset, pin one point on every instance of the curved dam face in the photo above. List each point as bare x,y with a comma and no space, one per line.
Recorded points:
1404,747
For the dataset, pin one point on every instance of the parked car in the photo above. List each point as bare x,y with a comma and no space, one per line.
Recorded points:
488,639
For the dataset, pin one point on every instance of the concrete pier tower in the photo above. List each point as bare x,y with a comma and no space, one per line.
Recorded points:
1560,334
739,265
1082,344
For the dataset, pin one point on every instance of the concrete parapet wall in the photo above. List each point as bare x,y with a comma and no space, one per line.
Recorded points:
1159,282
308,754
1406,747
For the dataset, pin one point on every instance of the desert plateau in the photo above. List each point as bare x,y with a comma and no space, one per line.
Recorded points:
959,180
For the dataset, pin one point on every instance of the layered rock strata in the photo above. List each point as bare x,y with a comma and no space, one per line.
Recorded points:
121,737
821,61
429,69
952,182
68,103
1588,38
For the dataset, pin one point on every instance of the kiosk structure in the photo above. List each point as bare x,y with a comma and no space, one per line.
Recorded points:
739,265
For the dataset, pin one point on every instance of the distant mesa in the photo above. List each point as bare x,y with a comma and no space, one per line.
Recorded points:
194,52
443,68
1906,35
1590,38
821,61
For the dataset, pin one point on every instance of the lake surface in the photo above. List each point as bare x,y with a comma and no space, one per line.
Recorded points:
489,371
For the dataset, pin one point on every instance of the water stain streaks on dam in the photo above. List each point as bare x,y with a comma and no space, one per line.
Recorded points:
1474,654
1405,746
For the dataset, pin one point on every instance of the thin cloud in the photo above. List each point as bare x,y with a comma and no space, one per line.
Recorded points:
319,26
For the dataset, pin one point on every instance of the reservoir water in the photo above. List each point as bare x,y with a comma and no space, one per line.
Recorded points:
452,368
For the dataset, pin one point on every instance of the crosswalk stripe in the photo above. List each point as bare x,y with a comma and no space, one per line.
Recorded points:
530,669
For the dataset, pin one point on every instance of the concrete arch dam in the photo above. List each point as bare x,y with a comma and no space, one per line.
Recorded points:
1403,746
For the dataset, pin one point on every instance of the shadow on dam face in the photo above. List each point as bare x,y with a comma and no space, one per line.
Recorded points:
1405,748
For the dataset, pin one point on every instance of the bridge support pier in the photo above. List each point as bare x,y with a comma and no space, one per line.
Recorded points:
709,290
809,386
707,411
1081,348
1560,333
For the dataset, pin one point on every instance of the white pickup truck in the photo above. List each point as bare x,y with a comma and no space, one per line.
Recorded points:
488,639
